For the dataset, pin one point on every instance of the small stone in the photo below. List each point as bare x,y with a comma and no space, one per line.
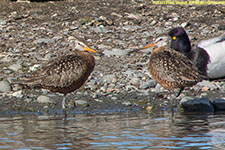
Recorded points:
35,67
134,81
44,99
81,102
168,23
149,108
185,24
188,104
44,41
127,103
153,23
115,52
130,28
207,84
100,29
6,59
2,22
5,86
15,67
175,18
18,94
96,95
109,79
148,84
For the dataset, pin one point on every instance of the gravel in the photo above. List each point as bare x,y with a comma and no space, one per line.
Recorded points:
31,34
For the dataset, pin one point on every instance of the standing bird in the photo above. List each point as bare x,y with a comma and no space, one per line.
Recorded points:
66,73
172,69
208,56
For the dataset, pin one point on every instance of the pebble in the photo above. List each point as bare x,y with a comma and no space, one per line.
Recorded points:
109,78
130,28
15,67
185,24
35,67
187,104
127,103
115,52
208,84
100,29
44,99
81,102
148,84
5,86
134,81
2,22
18,94
154,22
44,41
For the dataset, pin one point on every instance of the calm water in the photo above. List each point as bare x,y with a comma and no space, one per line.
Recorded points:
130,130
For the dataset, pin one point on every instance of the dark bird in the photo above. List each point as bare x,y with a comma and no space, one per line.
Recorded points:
172,69
208,55
66,73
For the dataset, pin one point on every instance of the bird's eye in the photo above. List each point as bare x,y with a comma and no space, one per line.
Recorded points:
174,38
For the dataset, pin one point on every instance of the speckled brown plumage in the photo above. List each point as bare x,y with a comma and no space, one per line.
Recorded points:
172,69
66,73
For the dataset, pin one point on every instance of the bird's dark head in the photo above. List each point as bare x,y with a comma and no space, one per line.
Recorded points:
180,40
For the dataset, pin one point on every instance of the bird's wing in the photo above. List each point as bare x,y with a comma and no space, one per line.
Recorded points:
175,67
60,72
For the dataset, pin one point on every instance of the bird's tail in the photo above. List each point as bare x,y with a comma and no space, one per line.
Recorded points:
27,83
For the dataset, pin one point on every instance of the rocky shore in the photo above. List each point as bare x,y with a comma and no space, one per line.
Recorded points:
33,33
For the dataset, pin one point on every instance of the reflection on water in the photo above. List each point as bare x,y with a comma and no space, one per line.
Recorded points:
131,130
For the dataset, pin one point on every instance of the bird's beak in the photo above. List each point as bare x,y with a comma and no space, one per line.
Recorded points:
147,46
89,49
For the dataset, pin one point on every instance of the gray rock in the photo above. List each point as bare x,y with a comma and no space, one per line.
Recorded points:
100,29
96,95
148,84
15,67
35,67
104,47
2,22
115,52
184,24
208,84
134,81
188,104
81,102
18,94
44,99
5,86
169,23
109,79
6,59
153,23
130,28
44,41
127,103
219,104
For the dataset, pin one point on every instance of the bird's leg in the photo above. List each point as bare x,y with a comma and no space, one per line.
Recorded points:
64,102
181,89
63,106
171,103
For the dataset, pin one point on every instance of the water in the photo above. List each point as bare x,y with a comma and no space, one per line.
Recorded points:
128,130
